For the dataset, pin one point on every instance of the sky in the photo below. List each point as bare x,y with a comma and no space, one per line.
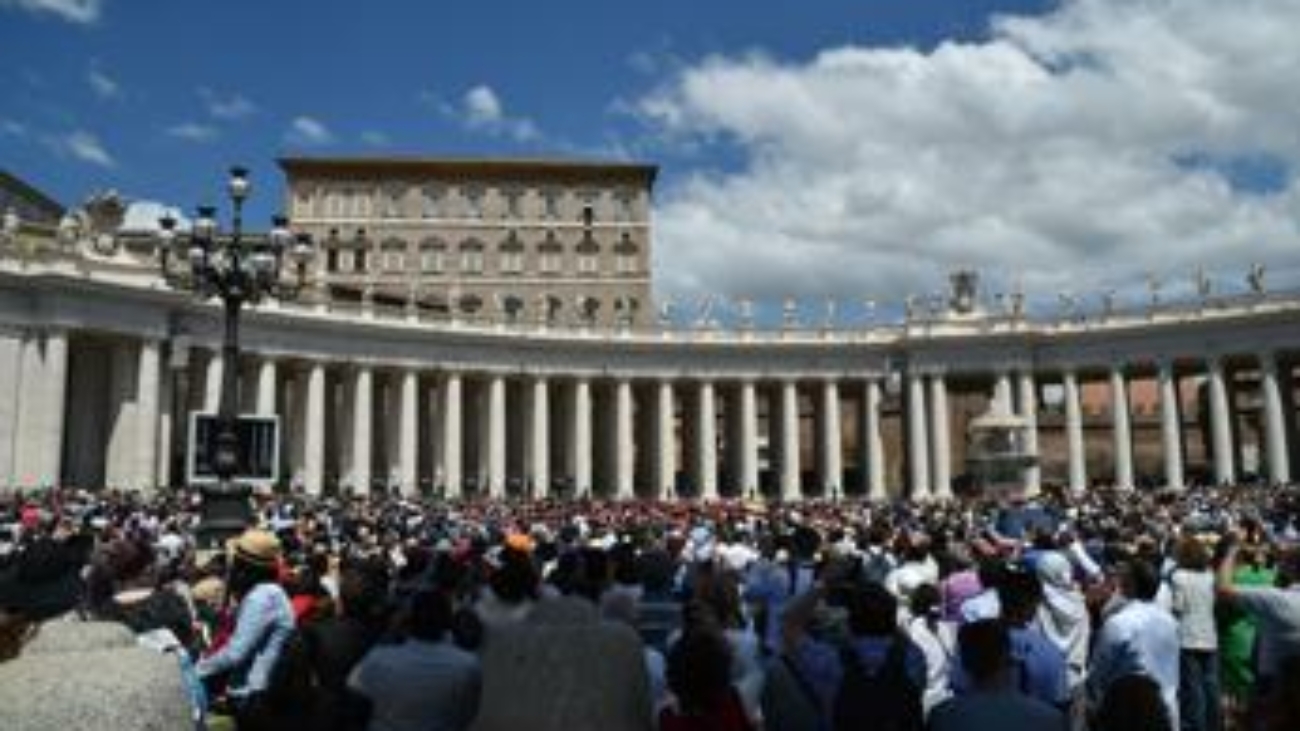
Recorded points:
854,150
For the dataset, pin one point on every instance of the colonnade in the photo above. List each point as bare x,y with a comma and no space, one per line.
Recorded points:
461,429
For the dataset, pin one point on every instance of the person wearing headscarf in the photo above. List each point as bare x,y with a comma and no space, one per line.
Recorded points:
1063,614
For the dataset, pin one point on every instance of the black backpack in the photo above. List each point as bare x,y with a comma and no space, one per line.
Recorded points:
886,700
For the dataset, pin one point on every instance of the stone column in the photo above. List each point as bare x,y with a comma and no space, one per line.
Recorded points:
624,455
212,384
940,444
1002,398
1286,384
1122,431
452,474
11,364
408,450
1171,437
832,465
1078,464
363,393
123,429
791,472
748,439
539,439
665,441
148,374
581,441
496,473
707,434
313,457
1220,424
266,376
874,449
166,414
56,393
1279,467
918,452
1028,394
38,460
39,451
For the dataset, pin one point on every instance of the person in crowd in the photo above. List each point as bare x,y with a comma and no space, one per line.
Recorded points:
1236,634
512,589
263,620
1133,703
1039,665
1192,600
658,608
1138,637
993,701
59,672
1275,608
699,676
937,638
876,674
424,682
717,588
134,594
1063,614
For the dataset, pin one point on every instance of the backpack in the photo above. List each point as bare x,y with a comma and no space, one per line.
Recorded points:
886,700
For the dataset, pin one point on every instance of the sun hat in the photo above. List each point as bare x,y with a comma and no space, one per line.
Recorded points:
257,547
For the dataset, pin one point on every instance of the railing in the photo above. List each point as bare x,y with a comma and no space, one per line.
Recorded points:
41,243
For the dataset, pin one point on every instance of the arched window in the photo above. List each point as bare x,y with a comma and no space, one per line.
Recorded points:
470,304
512,254
626,255
431,201
392,199
473,201
471,256
588,254
550,255
392,254
433,253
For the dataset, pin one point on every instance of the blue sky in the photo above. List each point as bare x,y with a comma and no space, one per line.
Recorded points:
856,150
174,90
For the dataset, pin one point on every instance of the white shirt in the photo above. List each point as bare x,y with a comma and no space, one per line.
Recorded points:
939,645
1192,594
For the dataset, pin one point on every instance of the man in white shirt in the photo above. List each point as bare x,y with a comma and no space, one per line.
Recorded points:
1138,638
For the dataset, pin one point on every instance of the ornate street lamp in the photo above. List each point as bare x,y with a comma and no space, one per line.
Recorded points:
238,269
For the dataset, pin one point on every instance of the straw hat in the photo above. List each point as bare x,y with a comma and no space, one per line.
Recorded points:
257,547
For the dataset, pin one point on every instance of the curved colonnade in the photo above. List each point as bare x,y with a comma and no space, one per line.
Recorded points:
99,366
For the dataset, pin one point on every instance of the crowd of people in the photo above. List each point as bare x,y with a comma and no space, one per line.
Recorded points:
1108,612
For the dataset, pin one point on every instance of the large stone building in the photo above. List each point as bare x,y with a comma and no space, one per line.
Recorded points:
101,365
559,243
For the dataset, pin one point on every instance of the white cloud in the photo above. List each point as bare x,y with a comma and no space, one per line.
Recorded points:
194,132
309,131
1056,151
375,138
13,128
482,110
104,86
482,107
84,146
73,11
227,107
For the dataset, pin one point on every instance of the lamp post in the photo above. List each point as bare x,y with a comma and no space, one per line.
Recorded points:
238,269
